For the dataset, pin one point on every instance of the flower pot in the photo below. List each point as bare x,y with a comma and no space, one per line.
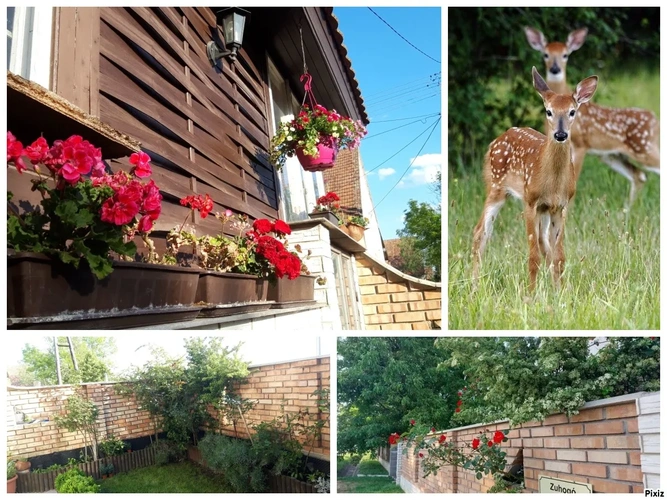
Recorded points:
356,231
324,160
11,484
328,215
38,286
298,290
229,288
22,467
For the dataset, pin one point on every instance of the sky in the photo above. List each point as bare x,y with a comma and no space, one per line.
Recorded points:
132,348
397,82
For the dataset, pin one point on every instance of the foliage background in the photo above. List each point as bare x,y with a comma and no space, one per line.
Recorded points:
385,382
488,48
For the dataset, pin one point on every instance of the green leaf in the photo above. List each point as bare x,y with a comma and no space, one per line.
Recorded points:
478,475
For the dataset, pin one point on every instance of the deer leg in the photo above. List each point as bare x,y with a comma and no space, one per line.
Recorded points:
544,242
484,228
532,229
652,163
557,234
622,165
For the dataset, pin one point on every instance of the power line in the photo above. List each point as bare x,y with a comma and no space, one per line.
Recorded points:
405,39
407,118
407,169
395,128
385,161
407,103
423,79
402,94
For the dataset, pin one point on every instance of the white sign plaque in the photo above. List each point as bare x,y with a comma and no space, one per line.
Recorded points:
554,485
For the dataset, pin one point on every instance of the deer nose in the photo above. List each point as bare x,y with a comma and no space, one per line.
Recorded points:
554,70
560,136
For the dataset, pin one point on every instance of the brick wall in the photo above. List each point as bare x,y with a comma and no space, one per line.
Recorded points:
395,301
599,446
271,386
343,180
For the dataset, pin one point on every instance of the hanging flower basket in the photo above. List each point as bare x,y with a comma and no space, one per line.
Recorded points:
356,231
325,159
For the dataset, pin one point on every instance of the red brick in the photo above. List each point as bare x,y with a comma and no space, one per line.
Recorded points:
632,425
533,443
606,428
589,469
531,484
572,477
525,433
625,442
587,442
633,474
635,458
569,430
602,486
532,463
542,431
533,423
557,466
572,455
608,457
587,415
543,453
560,418
556,442
622,411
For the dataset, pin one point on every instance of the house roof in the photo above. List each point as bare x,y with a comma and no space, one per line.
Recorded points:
332,21
392,247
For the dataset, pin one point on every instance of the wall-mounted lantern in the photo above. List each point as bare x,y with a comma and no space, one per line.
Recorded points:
232,21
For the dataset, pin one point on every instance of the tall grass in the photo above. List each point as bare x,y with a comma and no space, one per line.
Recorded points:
612,273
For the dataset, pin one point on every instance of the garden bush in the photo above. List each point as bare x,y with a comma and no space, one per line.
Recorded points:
167,452
236,460
75,481
112,446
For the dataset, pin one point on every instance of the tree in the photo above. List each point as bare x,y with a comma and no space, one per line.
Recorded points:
80,415
529,378
385,382
92,354
178,394
421,235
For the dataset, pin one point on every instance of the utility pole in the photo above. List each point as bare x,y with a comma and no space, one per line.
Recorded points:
55,346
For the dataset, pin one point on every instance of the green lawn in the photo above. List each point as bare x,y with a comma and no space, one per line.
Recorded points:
370,466
367,485
612,273
184,477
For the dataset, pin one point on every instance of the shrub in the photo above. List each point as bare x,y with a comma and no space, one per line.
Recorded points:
11,469
167,452
276,452
75,481
236,459
112,446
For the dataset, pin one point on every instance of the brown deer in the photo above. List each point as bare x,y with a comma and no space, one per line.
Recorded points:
616,135
538,170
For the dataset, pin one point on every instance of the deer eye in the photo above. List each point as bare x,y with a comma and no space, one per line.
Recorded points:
572,113
564,56
549,113
546,56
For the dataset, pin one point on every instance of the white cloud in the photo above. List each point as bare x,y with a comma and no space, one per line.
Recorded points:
385,172
424,169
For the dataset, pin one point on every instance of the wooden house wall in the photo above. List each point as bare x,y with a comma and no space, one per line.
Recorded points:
206,129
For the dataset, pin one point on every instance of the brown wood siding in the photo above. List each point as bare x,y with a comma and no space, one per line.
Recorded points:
205,129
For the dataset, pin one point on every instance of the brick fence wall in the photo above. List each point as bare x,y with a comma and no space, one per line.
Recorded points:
395,301
287,384
600,446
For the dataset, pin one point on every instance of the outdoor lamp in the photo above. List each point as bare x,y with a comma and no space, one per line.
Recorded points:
232,21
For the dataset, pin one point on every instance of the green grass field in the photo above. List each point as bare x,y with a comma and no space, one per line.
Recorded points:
612,274
368,485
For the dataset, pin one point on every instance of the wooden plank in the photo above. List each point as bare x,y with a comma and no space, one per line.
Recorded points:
64,70
124,23
155,142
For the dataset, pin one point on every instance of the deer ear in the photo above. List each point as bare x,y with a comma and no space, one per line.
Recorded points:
535,38
539,83
585,89
576,39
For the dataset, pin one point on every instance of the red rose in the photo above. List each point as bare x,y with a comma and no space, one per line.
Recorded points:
412,422
489,444
475,444
460,393
498,437
442,439
281,227
262,226
432,429
393,438
459,403
421,455
458,410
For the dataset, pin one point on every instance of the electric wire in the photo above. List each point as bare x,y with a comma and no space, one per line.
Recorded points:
404,147
403,85
395,128
405,39
406,118
435,125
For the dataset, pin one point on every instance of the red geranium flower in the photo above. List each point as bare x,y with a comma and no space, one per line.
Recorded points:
14,152
262,226
37,151
141,162
145,224
117,212
206,206
281,227
498,437
475,444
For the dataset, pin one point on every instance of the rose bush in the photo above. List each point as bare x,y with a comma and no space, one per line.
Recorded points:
85,213
313,126
258,249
